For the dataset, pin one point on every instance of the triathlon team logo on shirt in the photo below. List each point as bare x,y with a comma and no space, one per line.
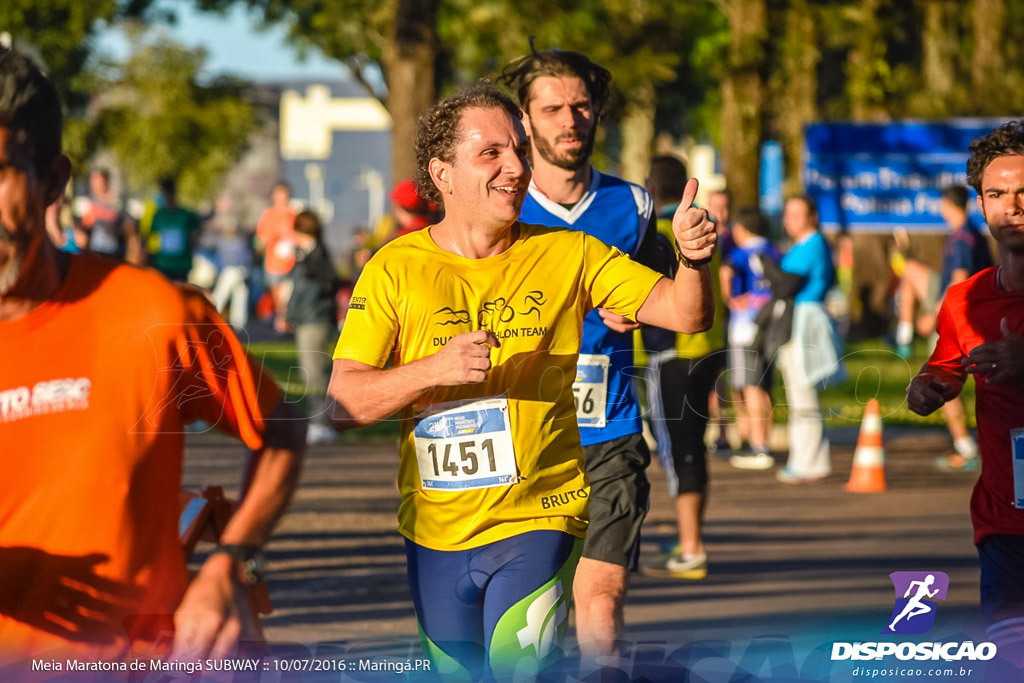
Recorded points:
514,317
44,398
916,593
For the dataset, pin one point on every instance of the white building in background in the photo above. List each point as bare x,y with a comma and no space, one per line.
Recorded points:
335,149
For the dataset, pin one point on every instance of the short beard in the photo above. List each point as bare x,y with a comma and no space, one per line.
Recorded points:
996,232
570,160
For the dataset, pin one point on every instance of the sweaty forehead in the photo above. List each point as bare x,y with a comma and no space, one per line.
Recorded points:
1004,169
490,125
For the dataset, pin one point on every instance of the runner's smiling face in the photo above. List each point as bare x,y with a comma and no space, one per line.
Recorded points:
562,121
489,174
1002,201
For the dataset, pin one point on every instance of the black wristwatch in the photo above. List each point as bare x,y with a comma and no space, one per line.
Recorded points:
251,557
690,263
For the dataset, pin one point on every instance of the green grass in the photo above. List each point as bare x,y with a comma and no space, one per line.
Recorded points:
281,359
874,369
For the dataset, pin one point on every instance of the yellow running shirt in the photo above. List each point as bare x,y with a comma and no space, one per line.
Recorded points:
503,457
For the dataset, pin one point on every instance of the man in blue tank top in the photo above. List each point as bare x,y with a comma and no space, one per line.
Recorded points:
563,95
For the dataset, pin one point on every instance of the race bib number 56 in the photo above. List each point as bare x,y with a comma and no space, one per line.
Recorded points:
466,445
590,390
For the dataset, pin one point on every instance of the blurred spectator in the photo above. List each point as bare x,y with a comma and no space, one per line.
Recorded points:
275,232
111,231
172,235
359,252
964,254
62,234
745,290
234,255
312,313
411,211
810,356
719,203
681,374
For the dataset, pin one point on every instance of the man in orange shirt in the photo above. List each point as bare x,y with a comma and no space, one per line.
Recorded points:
276,230
105,364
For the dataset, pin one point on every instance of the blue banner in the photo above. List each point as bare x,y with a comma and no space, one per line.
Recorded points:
873,177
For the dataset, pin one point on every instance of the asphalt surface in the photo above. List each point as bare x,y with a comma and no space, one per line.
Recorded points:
791,566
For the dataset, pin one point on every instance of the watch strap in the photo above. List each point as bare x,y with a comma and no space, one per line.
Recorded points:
251,558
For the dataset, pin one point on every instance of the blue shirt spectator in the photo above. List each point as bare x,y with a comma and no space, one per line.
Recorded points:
967,249
811,258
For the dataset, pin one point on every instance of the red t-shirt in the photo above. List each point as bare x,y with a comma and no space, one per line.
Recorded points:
970,316
96,387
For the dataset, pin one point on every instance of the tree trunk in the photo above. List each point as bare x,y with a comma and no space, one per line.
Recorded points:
798,102
409,66
987,63
938,53
864,65
638,132
743,99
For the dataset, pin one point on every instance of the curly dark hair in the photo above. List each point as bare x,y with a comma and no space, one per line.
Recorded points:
520,74
1006,140
30,108
437,132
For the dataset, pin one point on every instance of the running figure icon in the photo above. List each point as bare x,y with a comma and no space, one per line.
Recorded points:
915,606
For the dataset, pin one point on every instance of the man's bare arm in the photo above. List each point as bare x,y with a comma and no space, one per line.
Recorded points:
214,613
360,394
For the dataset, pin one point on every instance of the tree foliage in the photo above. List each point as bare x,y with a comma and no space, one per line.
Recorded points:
809,59
61,33
158,121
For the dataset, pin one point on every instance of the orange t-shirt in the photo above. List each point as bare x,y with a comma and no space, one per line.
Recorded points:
96,387
276,228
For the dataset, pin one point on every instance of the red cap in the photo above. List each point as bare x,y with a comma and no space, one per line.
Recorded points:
405,196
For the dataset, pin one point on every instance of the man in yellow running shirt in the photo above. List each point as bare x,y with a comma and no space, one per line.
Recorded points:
478,319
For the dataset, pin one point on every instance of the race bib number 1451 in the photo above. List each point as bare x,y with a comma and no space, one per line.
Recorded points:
466,445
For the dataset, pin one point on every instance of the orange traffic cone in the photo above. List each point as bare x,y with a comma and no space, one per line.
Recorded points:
868,473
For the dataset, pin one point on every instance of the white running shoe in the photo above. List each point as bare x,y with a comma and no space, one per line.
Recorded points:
755,461
679,566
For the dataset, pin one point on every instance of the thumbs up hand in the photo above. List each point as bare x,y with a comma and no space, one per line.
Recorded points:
693,229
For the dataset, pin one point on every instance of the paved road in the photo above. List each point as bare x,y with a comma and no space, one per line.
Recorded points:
795,567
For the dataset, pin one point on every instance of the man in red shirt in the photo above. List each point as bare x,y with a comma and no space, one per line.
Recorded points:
981,333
